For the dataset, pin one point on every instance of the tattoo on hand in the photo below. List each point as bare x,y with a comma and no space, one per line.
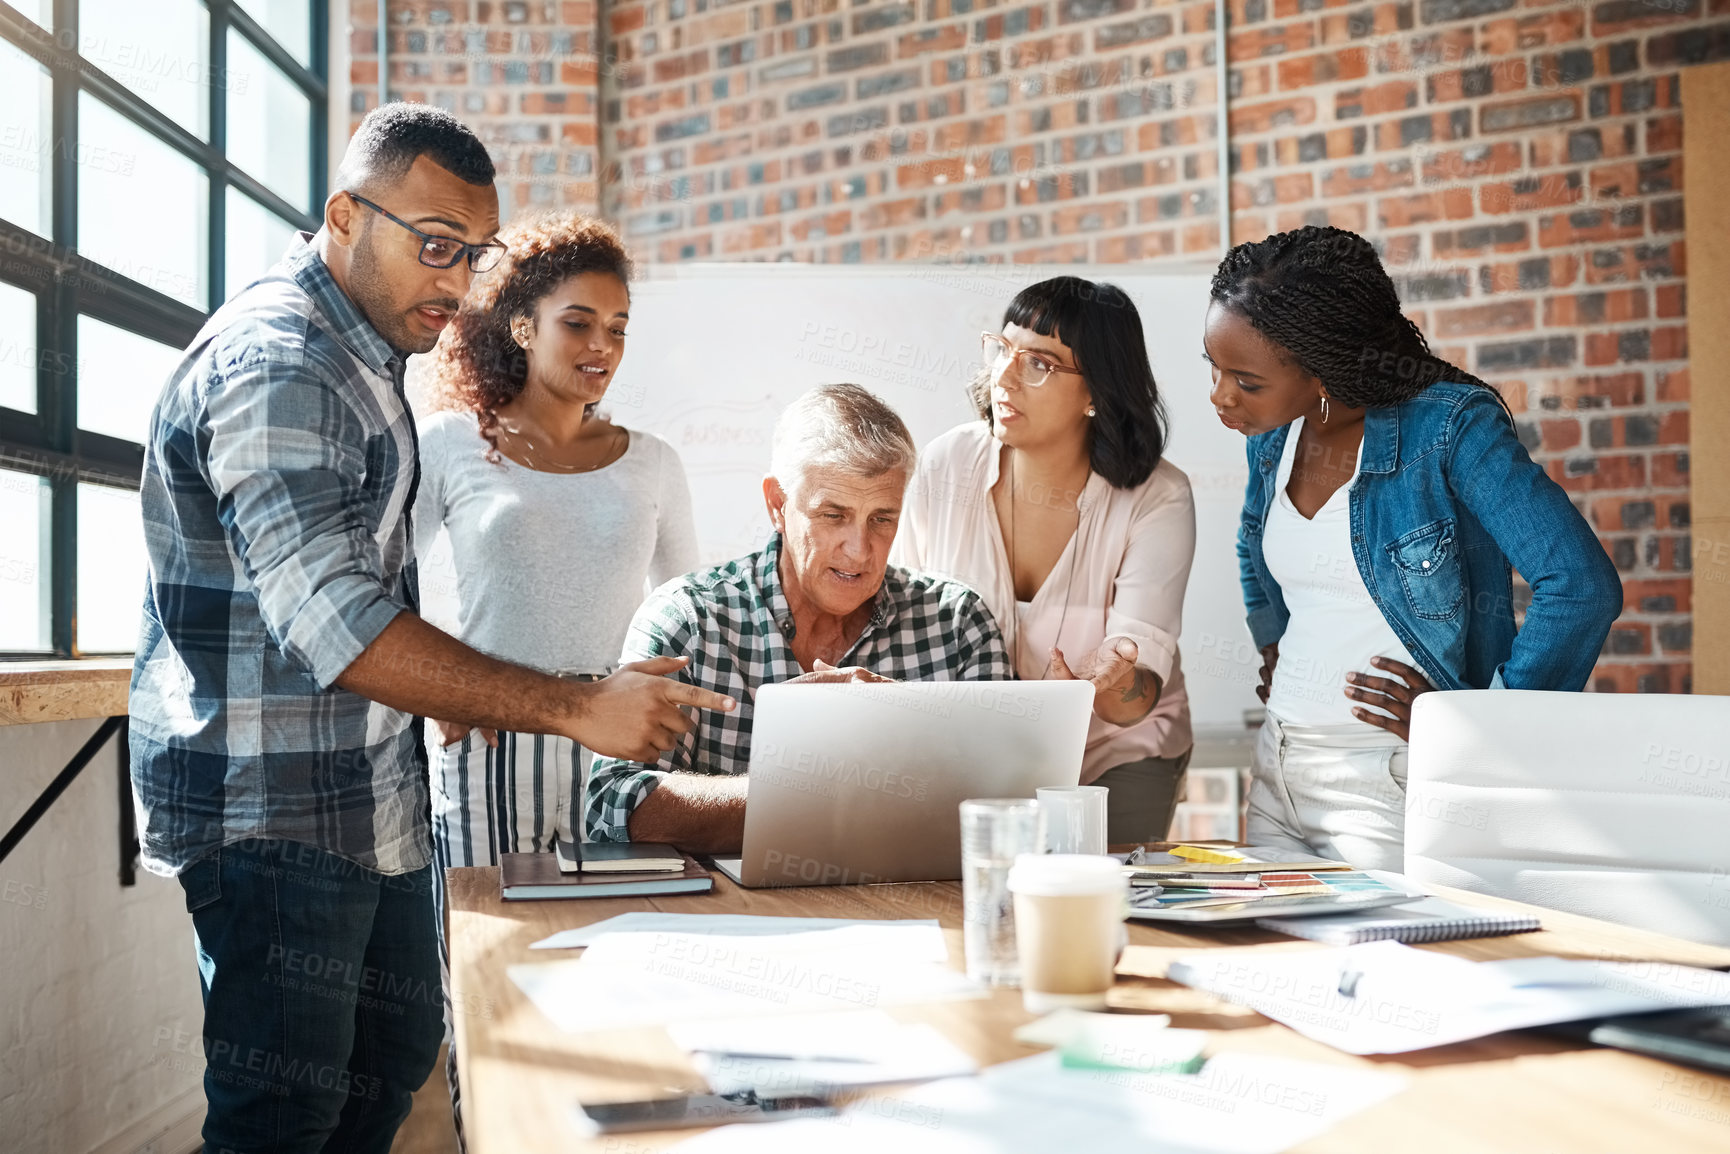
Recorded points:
1138,686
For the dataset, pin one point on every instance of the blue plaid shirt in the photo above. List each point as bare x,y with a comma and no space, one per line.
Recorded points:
277,487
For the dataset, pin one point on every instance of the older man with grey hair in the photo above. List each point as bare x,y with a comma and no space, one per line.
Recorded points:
819,602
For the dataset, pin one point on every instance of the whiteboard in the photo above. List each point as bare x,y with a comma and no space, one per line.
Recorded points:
716,351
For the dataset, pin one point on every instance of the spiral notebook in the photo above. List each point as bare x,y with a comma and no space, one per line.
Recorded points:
1427,920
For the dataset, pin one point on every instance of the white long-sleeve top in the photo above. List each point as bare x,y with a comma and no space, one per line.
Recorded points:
550,567
1123,574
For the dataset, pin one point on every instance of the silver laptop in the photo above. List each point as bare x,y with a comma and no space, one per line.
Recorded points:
857,783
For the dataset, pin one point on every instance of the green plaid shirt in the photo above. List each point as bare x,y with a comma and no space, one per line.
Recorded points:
734,624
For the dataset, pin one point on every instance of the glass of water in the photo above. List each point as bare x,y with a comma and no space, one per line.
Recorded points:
993,832
1075,817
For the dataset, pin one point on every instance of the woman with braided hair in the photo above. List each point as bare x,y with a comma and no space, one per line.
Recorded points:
1388,500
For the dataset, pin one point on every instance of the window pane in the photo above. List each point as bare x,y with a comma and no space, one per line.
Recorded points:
17,350
159,50
120,375
24,136
111,569
255,238
289,23
24,605
269,123
160,237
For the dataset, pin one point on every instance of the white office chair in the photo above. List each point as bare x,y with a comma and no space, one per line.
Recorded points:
1616,806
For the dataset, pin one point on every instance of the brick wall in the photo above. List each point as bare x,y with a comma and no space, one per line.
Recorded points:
522,73
1518,162
1066,131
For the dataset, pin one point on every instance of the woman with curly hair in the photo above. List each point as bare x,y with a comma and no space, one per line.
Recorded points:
1057,504
557,517
1389,497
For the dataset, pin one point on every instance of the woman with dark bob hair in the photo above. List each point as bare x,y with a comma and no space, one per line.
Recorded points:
557,517
1058,506
1388,494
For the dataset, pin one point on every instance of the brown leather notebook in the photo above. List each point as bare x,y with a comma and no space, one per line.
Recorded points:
536,876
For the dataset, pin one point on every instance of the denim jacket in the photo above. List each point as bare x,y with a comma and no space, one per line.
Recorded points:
1445,499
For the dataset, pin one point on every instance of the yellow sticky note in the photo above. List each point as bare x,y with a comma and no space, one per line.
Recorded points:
1208,856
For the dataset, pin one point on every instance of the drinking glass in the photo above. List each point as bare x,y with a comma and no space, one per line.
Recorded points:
993,832
1074,818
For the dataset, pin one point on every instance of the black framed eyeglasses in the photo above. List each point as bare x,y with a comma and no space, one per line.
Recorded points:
443,251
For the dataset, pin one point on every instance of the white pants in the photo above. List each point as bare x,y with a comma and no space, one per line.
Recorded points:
1336,791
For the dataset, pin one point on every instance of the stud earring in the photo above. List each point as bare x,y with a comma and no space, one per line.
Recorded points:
1090,410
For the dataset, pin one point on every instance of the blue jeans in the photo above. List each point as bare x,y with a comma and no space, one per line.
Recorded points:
323,1010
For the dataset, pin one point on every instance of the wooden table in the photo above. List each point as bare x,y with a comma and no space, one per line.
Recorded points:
1522,1092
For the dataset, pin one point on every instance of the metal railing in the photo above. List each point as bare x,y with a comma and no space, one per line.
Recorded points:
114,727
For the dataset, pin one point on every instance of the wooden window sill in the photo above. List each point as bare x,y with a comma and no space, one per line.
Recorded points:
33,691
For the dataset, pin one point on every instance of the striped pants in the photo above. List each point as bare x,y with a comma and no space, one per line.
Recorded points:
518,798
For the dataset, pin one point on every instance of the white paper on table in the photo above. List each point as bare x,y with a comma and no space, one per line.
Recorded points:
1238,1104
893,943
731,925
858,1035
1138,1043
632,979
1060,1027
817,1053
1409,999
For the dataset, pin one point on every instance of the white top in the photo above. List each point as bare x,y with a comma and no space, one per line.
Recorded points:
1123,574
550,567
1335,627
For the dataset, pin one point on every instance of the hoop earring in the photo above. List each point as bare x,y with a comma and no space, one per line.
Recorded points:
1324,408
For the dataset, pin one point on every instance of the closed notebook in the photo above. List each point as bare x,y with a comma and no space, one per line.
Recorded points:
537,876
1427,920
618,857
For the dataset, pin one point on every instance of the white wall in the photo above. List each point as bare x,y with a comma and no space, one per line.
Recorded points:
99,1004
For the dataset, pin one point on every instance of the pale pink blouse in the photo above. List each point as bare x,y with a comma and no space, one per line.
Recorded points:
1123,574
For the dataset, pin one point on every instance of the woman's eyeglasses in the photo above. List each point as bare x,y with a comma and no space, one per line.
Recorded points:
443,251
1032,369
